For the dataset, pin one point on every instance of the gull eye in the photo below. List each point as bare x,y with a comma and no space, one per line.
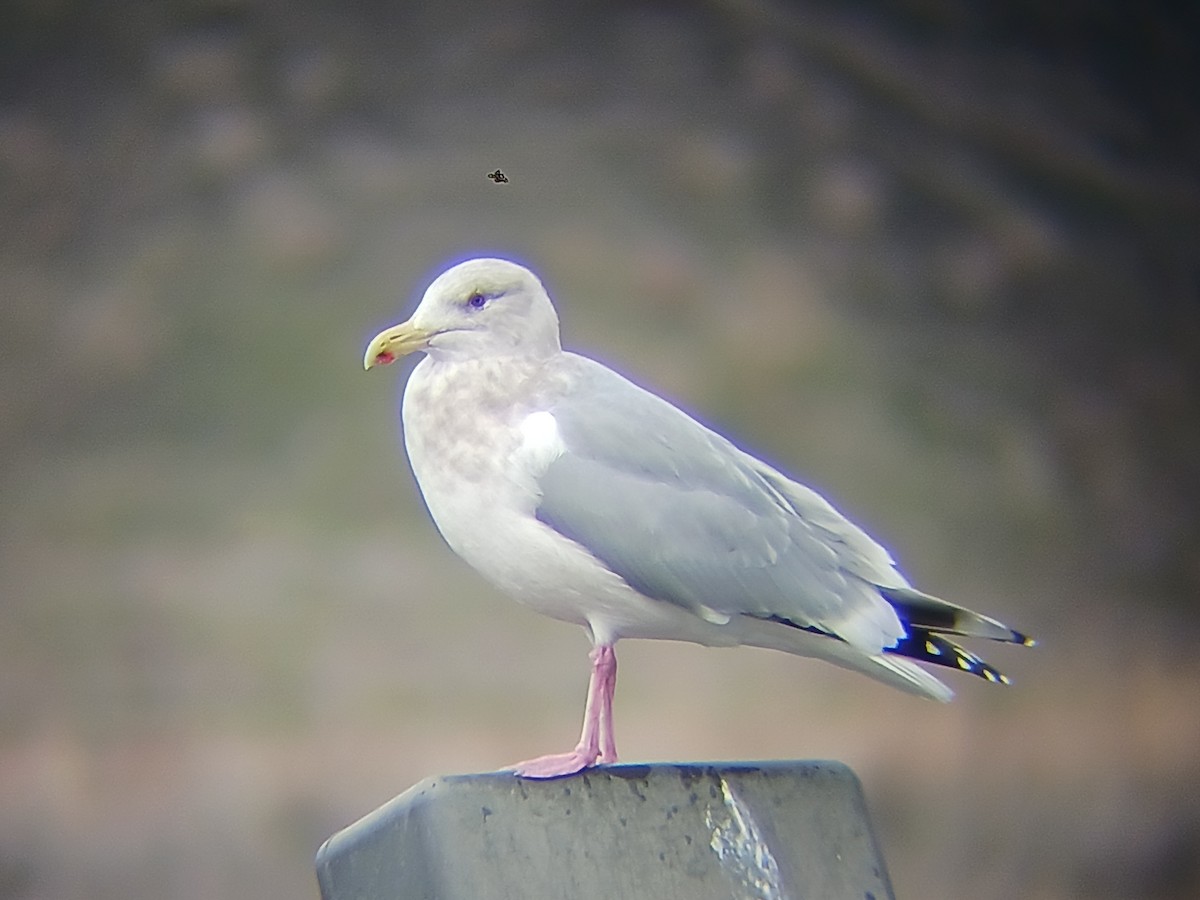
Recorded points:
477,300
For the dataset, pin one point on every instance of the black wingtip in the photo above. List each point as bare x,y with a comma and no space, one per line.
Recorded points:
925,646
923,611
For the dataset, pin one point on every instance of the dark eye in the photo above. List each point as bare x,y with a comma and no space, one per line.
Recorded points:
477,300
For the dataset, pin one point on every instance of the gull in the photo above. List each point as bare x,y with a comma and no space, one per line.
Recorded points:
594,501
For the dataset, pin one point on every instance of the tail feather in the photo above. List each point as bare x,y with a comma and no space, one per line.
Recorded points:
927,621
906,675
776,633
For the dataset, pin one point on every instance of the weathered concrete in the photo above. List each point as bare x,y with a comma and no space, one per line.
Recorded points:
746,831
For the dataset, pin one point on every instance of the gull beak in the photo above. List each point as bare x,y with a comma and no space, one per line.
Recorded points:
392,343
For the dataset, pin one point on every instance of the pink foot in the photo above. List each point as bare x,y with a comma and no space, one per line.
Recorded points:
555,765
596,744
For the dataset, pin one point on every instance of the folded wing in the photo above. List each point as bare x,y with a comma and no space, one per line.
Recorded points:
687,518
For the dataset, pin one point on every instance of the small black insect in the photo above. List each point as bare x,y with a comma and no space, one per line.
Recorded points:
498,177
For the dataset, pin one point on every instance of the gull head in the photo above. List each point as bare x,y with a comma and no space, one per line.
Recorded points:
478,308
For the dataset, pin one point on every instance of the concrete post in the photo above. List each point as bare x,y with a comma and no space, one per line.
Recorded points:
734,831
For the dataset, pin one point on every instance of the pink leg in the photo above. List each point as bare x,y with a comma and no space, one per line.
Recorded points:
596,743
608,740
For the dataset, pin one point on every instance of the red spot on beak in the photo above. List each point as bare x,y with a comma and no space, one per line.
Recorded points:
385,358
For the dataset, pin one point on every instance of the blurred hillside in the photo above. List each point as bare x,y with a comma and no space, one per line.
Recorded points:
939,263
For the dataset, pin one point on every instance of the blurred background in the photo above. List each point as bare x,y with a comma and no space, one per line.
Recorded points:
938,261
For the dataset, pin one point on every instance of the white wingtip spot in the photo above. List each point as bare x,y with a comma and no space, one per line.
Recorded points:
964,663
932,649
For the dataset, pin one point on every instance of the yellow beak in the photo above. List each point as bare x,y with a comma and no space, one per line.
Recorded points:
392,343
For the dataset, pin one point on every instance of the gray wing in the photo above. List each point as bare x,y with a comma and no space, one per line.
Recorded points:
686,517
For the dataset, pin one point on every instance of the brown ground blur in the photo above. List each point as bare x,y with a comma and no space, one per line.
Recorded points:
939,265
